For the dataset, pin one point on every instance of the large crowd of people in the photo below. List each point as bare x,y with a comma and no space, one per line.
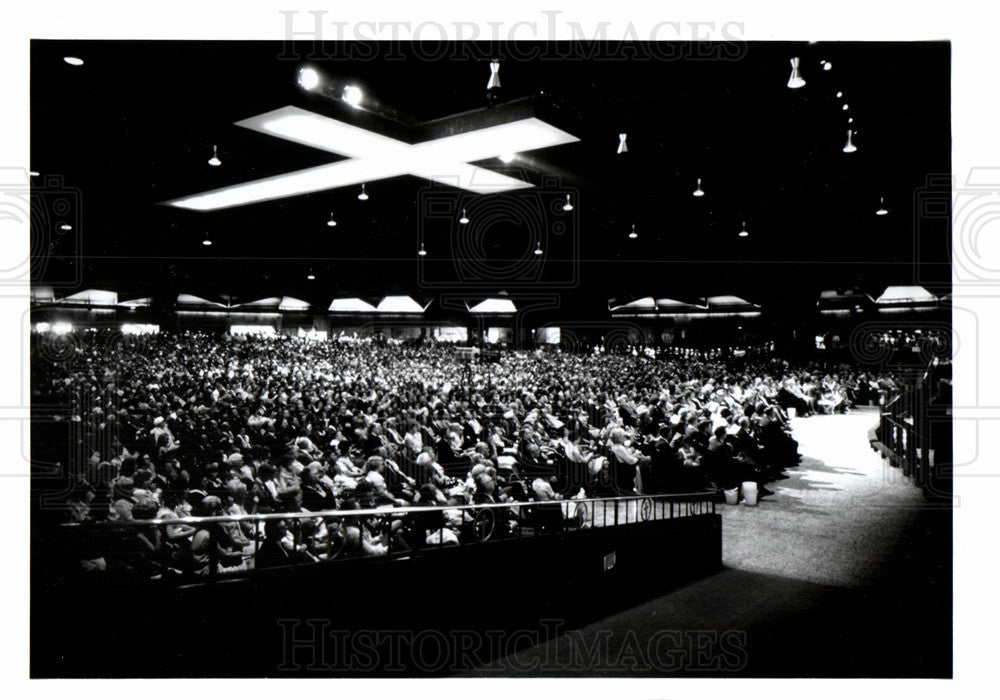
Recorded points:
175,425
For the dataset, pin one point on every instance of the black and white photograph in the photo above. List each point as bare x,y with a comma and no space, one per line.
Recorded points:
573,350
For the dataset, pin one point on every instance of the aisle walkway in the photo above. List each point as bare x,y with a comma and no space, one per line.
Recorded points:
843,571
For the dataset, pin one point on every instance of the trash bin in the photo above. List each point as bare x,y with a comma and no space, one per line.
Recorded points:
792,412
749,493
732,496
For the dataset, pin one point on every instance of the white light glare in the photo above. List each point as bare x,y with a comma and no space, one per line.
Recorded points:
623,143
353,95
699,192
743,231
633,234
567,206
214,160
364,195
331,222
795,80
62,327
508,157
73,60
538,250
881,211
421,252
308,78
465,219
206,242
65,227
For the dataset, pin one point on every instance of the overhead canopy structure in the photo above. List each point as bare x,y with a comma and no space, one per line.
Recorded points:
267,303
42,295
639,305
293,304
92,297
136,303
728,302
399,305
495,305
192,300
351,305
906,295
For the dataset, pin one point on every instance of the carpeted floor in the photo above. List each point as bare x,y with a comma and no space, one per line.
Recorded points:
843,571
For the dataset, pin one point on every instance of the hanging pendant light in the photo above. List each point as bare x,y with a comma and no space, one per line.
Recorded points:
623,143
567,206
421,252
364,195
699,192
881,211
206,242
633,235
494,81
214,160
331,222
465,219
795,80
538,250
849,147
310,277
743,231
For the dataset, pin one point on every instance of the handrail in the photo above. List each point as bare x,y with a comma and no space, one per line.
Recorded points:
383,510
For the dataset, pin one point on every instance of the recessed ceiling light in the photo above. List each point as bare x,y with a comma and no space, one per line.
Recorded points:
310,276
827,65
840,93
65,227
206,242
846,107
73,60
33,173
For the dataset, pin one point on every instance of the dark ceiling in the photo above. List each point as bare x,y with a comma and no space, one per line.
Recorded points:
135,125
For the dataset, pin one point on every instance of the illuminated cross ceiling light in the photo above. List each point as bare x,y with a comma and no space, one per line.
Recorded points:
372,156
